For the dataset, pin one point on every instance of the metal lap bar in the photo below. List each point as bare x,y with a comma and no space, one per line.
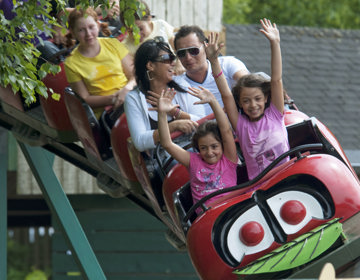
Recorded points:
40,163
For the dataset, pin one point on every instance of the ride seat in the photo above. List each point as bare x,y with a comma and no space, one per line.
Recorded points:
118,138
95,140
177,177
55,111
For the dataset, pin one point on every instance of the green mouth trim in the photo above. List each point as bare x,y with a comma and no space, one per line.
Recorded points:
297,252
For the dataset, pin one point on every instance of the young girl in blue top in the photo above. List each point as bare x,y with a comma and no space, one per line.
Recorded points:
259,126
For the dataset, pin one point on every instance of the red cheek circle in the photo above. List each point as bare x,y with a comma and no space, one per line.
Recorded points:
293,212
251,233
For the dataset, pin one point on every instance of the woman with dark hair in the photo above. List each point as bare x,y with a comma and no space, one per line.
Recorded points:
154,70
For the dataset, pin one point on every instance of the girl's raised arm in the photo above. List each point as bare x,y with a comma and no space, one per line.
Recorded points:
164,105
272,33
227,136
212,49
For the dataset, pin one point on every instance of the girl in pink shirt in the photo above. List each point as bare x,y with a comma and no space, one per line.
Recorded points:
214,166
259,126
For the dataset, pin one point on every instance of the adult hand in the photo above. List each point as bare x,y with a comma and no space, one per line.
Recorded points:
114,10
212,47
185,126
118,98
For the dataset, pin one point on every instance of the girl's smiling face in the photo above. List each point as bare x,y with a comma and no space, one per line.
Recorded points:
86,31
252,101
210,149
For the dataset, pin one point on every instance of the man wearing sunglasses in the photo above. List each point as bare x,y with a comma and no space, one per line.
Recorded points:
189,45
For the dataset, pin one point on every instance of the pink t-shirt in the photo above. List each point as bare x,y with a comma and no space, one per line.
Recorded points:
263,141
206,178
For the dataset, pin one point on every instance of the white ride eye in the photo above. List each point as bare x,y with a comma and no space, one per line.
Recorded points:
249,234
294,209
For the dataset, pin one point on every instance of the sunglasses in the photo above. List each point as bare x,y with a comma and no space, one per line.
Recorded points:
193,51
165,58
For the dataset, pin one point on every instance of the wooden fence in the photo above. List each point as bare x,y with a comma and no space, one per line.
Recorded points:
205,13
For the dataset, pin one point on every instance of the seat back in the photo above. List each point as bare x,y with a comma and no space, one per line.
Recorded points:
9,97
55,110
183,202
94,139
119,135
177,177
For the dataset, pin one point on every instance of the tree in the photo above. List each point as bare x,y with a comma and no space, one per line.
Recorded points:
319,13
18,55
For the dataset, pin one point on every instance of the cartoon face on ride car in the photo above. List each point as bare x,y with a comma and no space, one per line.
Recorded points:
275,216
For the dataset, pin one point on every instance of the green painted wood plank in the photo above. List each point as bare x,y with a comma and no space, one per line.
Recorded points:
3,201
118,241
139,276
131,262
100,201
120,219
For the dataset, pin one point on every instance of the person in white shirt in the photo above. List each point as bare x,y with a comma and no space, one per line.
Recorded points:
189,46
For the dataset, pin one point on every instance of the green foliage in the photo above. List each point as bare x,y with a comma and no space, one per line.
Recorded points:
18,55
319,13
130,8
236,11
17,267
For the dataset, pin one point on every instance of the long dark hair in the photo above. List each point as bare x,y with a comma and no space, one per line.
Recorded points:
149,51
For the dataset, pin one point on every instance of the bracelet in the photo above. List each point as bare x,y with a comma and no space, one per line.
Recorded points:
178,116
218,75
177,113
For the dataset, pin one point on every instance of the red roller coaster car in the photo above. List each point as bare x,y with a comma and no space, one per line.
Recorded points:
294,216
291,219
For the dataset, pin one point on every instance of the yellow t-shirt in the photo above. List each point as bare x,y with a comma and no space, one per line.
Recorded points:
103,74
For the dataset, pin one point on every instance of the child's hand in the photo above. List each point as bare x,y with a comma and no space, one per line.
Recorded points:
203,94
270,30
153,97
162,102
212,47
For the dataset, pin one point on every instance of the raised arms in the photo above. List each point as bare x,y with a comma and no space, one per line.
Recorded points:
272,33
212,49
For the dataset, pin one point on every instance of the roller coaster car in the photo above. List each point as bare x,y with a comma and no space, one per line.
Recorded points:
281,220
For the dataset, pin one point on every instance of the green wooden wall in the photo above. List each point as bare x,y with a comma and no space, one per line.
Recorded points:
128,242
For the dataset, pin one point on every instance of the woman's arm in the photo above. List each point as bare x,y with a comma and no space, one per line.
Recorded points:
128,68
139,127
212,49
94,101
272,33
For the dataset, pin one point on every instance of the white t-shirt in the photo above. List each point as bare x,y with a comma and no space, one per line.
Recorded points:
229,65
